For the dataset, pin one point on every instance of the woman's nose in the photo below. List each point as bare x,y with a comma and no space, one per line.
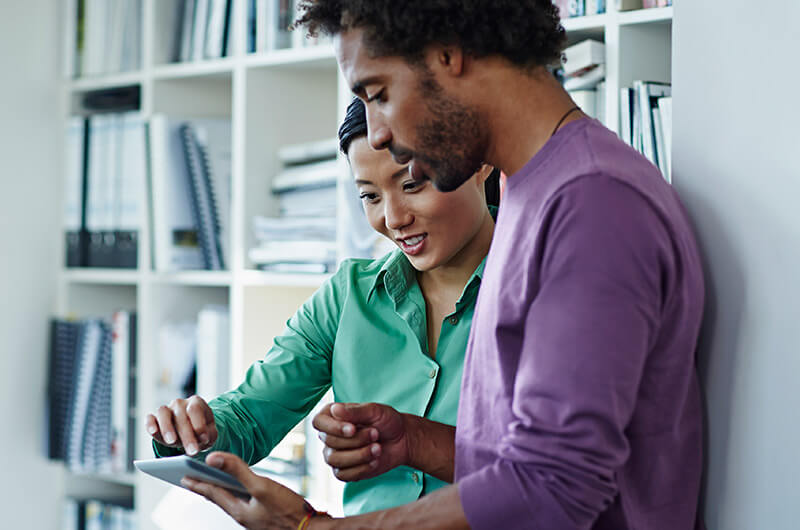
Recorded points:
397,215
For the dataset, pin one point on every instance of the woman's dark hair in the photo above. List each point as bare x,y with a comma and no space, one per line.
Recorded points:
528,33
354,127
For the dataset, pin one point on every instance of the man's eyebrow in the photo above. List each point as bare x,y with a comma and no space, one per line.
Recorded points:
359,87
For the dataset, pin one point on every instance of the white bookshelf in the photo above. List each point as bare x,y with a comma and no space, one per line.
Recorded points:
272,99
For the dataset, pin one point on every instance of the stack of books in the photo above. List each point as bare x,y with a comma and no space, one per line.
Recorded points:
202,30
584,73
646,122
303,237
108,37
92,393
629,5
580,8
98,515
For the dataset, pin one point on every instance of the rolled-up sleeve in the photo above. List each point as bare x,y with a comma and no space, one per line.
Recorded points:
595,309
281,389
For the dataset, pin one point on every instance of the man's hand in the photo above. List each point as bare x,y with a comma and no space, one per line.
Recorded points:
184,423
362,440
270,507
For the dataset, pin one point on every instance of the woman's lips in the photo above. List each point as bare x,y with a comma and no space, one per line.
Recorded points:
413,245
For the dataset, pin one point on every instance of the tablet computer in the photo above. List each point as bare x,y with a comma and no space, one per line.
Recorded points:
173,468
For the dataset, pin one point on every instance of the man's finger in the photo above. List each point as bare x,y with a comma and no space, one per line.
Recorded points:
330,425
354,457
357,413
352,474
362,437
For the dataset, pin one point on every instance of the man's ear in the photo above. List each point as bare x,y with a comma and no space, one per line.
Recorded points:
449,60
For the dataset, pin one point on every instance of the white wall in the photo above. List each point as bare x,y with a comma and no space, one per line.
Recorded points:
737,167
29,220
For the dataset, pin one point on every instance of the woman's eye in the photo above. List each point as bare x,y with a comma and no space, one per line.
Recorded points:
368,197
413,185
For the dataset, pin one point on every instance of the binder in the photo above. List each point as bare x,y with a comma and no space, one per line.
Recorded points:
99,192
175,239
129,190
123,386
204,202
74,219
63,347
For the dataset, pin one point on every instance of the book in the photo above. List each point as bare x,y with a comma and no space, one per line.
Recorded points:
123,399
576,8
659,142
218,24
665,109
128,199
100,190
625,115
312,175
308,152
647,94
187,30
588,79
213,351
628,5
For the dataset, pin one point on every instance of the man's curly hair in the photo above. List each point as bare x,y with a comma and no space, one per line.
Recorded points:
526,32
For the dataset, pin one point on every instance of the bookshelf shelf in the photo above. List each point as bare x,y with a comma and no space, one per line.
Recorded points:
189,278
120,479
253,278
101,276
219,68
591,22
312,57
105,81
646,16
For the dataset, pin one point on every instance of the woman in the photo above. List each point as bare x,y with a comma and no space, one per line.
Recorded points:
392,330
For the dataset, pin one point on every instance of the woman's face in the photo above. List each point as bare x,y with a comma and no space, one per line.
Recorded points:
432,228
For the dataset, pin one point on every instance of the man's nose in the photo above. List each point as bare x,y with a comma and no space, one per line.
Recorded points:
378,134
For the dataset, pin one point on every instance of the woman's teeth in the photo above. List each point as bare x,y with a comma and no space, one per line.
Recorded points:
413,241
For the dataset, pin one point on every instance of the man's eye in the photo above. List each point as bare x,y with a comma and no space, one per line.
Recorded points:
378,96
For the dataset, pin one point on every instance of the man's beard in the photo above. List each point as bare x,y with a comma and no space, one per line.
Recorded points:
451,142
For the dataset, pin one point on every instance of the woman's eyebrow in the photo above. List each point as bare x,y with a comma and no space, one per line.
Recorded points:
399,173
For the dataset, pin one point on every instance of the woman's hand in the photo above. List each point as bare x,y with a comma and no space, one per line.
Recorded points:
362,440
270,507
184,423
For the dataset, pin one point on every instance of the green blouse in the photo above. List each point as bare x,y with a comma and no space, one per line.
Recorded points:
364,333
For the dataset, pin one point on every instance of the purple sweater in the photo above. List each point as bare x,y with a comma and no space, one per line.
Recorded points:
579,404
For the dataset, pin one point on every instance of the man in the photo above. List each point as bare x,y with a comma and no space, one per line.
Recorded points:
580,405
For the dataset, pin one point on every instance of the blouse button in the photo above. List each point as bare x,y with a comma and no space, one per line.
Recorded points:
432,373
453,320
